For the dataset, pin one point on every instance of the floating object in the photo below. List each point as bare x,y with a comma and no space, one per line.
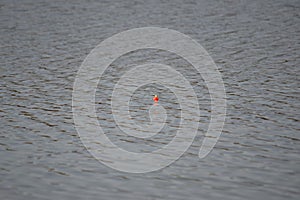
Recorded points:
155,98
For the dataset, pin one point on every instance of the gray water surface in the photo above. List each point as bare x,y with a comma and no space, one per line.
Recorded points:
256,47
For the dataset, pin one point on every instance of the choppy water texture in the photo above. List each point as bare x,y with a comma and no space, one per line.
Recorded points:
256,46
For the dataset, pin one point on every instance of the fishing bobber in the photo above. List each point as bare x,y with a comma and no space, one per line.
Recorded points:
155,98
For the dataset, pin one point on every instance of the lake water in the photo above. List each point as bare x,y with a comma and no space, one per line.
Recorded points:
256,47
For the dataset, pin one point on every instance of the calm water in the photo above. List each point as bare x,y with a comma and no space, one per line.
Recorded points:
256,46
